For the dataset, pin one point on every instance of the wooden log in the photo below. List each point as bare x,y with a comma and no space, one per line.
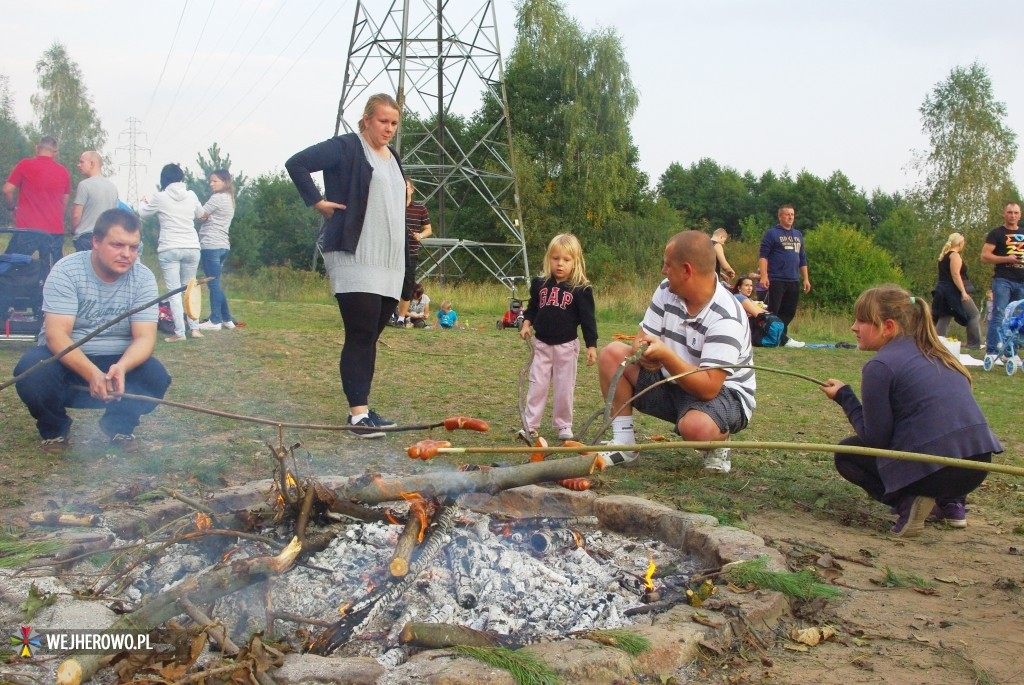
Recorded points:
378,489
441,635
407,541
199,589
216,632
462,575
56,518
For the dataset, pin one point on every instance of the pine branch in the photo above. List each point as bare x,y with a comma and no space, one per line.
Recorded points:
526,668
802,585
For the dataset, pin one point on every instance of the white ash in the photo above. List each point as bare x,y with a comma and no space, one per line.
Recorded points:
519,592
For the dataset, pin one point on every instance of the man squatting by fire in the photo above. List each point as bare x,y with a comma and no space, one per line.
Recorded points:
693,322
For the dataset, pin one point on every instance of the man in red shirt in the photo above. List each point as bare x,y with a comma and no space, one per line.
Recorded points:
43,189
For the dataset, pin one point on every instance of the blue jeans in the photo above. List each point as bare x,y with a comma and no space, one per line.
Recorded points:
179,266
213,264
47,393
1004,291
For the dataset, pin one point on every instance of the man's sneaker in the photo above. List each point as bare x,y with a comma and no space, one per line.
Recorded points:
57,444
196,333
209,326
566,434
380,421
794,343
529,437
954,514
616,457
717,460
228,324
367,429
913,511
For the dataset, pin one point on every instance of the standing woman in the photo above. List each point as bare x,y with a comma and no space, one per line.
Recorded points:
951,299
177,208
218,212
917,398
363,240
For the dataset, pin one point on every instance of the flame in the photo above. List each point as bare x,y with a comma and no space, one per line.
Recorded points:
391,517
507,530
417,508
289,481
578,538
648,582
203,521
343,609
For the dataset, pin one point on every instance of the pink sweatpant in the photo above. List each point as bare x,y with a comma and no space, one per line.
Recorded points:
552,365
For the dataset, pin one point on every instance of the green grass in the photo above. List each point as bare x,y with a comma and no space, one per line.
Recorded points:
283,365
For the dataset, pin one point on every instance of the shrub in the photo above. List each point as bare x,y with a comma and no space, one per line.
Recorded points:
843,263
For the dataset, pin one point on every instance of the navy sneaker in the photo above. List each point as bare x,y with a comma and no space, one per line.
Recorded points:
380,421
953,514
367,429
913,510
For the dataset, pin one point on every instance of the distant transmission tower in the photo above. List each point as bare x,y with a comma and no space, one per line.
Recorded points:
133,132
434,56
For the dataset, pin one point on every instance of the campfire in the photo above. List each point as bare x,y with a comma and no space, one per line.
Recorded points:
384,567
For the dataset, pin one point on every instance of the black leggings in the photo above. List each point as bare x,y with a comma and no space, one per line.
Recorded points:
948,484
365,315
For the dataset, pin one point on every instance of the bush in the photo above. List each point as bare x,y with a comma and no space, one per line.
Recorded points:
843,263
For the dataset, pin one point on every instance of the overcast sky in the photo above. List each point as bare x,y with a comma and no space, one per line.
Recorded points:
816,85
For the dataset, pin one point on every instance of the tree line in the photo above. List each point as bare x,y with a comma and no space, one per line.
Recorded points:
571,100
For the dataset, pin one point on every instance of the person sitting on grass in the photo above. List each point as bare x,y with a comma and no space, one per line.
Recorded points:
917,398
447,317
419,308
83,292
743,290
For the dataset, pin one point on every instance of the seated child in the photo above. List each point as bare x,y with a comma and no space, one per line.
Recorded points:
447,316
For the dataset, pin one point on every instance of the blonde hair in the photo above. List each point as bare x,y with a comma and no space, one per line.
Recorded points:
912,316
720,234
446,304
955,240
570,245
224,176
373,104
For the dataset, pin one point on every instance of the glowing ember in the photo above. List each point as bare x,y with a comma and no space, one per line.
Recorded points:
648,577
577,537
203,521
343,609
507,530
391,517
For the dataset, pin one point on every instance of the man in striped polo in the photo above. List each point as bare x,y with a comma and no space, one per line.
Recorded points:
692,323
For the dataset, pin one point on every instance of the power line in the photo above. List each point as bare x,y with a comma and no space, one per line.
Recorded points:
267,70
167,60
133,148
273,87
195,49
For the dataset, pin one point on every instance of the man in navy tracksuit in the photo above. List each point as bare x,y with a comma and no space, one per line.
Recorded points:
783,263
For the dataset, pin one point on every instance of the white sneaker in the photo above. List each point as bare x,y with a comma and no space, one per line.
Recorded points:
228,324
616,457
717,460
209,326
794,343
565,434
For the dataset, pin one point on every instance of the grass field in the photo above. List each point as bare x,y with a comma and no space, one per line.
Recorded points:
283,365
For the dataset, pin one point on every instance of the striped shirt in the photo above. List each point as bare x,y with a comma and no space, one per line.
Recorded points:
716,335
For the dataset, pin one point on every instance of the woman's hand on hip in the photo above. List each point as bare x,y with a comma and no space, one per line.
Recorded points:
326,208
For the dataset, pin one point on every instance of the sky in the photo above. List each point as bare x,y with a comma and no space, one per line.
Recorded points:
752,84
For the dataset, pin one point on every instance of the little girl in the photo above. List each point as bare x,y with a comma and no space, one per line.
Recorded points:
561,300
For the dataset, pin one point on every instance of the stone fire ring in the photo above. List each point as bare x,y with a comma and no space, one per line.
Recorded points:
673,634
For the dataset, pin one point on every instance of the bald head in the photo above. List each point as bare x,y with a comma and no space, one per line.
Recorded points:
90,163
693,247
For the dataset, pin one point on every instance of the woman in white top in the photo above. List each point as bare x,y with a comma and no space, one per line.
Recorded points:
219,210
177,208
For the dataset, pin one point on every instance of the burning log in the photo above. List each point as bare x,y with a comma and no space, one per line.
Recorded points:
198,589
56,518
216,631
441,635
545,540
408,541
452,483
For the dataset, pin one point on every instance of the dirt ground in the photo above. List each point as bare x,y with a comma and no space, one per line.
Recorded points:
967,628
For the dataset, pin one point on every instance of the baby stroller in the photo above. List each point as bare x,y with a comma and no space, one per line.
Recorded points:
513,318
21,296
1011,337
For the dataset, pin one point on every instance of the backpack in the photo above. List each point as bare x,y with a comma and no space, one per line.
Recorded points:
766,330
165,320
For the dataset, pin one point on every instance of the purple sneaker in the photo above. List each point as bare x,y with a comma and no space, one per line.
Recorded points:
954,514
913,510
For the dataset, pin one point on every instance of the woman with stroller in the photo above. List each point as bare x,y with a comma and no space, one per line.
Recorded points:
951,298
917,398
177,208
363,240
